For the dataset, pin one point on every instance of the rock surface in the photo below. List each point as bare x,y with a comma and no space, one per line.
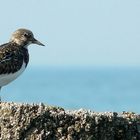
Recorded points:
40,122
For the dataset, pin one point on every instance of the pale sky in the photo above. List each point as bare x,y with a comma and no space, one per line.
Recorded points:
77,32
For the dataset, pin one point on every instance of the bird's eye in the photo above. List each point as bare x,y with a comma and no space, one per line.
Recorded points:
25,35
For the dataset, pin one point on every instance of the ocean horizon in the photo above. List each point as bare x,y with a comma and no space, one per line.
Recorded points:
97,89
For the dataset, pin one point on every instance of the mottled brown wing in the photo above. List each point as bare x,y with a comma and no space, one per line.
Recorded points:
10,59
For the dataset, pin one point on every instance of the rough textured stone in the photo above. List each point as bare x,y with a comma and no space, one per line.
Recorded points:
40,122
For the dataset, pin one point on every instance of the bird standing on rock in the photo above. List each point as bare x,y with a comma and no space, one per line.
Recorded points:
14,55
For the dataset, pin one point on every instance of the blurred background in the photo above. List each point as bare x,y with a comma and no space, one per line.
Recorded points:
92,55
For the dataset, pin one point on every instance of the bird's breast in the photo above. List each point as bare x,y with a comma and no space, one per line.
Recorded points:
7,78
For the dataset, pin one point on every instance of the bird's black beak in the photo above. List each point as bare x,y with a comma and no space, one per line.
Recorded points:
35,41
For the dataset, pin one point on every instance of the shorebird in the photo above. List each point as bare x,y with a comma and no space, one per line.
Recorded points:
14,55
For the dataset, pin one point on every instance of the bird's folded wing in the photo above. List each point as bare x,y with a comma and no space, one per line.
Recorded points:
10,61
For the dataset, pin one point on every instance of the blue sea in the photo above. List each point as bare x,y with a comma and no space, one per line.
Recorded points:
97,89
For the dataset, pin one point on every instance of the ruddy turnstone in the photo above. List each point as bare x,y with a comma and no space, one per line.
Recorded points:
14,55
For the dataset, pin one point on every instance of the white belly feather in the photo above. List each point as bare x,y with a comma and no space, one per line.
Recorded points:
7,78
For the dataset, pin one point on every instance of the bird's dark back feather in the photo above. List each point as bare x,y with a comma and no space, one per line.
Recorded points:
12,57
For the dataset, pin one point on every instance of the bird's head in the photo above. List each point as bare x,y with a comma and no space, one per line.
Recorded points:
24,37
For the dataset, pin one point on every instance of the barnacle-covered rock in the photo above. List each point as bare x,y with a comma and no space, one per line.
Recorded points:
41,122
